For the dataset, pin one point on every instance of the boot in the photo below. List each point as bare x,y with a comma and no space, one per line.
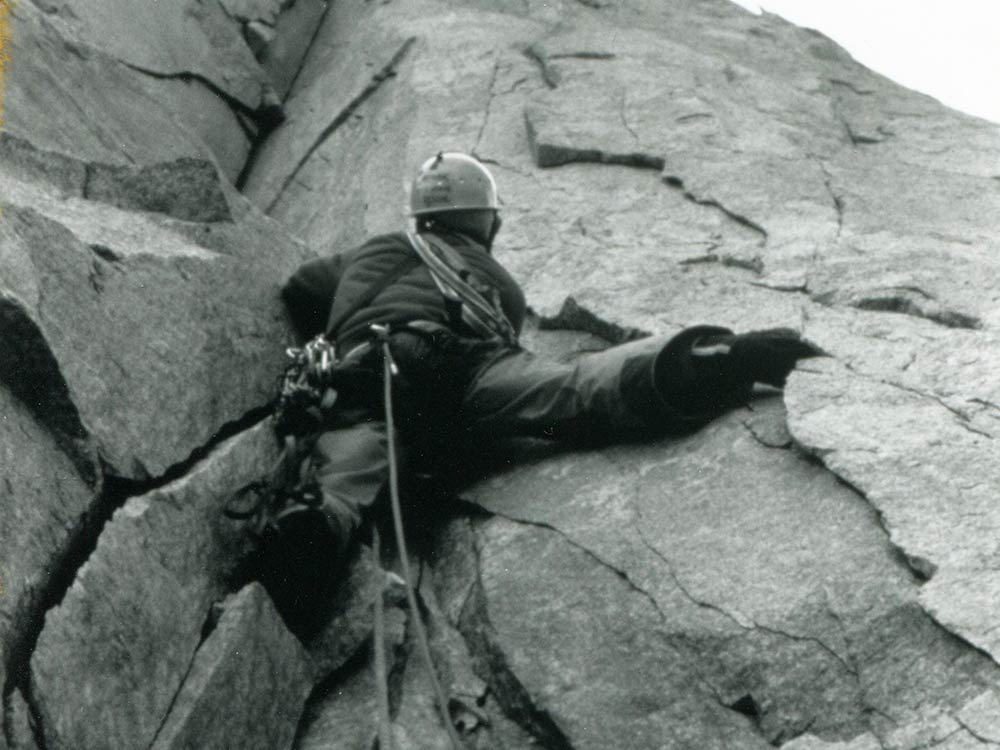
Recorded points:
299,566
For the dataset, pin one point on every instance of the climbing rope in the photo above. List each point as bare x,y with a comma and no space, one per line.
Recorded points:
389,370
381,669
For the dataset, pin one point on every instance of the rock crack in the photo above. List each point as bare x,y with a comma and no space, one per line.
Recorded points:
385,73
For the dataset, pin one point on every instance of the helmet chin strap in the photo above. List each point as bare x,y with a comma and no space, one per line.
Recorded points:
494,230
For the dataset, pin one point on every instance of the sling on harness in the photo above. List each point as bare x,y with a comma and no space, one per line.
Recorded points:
484,317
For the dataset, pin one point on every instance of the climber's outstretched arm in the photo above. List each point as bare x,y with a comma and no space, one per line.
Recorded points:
655,385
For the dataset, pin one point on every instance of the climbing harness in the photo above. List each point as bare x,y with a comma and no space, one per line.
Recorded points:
389,371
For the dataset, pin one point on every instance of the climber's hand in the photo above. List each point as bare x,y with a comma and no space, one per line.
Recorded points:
769,356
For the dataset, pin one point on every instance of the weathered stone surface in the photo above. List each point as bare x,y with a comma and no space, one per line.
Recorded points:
784,596
251,665
342,713
917,447
343,717
254,10
204,116
699,164
350,625
44,502
660,164
186,189
285,53
115,652
590,667
146,333
347,65
809,742
981,717
16,724
191,38
66,97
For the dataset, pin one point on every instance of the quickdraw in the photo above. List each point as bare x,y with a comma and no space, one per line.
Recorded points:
306,392
305,396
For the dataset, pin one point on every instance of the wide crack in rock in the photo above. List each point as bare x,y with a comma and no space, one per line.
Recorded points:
82,275
491,664
81,541
182,555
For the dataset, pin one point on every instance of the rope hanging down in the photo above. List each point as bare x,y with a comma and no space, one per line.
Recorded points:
381,669
389,370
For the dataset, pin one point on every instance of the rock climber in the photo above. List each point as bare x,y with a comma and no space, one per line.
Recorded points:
454,315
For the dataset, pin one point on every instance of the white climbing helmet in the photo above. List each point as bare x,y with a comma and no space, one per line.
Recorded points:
452,181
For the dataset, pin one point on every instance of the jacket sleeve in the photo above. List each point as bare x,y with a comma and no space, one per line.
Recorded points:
308,294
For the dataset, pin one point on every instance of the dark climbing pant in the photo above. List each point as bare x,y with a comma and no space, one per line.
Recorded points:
469,392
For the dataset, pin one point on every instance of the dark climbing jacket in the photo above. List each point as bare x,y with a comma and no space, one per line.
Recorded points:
325,289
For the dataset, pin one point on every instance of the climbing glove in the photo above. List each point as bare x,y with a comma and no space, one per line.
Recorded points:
705,370
768,356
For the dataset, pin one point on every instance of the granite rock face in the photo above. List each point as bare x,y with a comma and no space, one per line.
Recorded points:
779,594
816,571
45,501
144,330
130,626
251,664
703,165
117,81
65,96
139,307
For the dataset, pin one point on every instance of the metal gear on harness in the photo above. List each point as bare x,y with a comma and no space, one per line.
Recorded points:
306,392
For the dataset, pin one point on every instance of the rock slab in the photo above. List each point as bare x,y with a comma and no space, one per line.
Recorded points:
115,652
143,332
254,667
